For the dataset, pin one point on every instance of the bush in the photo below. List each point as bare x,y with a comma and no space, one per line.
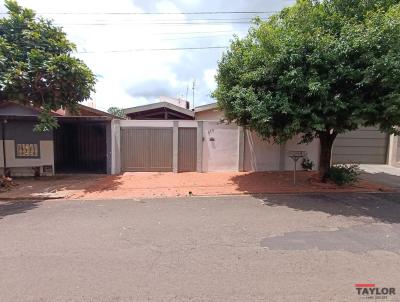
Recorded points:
344,174
307,164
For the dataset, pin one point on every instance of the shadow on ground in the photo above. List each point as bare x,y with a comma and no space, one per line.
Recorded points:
106,183
382,207
13,207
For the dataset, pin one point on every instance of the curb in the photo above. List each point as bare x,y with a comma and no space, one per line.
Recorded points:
29,198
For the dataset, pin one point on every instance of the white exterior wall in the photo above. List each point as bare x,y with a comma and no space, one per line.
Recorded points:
24,165
223,147
260,155
394,151
220,147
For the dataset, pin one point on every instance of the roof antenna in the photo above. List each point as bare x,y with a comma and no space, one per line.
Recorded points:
193,87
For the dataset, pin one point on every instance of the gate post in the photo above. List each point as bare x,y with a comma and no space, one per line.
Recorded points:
199,164
115,147
240,149
175,147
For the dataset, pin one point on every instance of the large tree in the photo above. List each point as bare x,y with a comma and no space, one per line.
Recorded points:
37,66
316,69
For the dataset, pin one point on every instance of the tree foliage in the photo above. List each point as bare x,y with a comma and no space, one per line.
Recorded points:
37,66
116,111
316,69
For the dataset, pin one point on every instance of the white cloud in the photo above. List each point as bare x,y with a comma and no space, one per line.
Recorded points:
209,78
122,73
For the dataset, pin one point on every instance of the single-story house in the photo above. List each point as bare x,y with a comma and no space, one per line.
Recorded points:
81,143
364,146
163,137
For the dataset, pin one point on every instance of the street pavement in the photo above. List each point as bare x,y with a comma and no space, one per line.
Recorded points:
308,247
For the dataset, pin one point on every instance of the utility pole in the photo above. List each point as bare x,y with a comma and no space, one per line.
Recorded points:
193,87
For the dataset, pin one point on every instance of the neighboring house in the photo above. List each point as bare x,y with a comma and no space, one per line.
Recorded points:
82,143
85,111
208,112
27,152
207,144
166,109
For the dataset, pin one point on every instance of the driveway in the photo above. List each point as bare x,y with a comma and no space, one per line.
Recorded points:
382,174
311,247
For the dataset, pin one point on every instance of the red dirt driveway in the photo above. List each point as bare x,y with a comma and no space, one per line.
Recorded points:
149,184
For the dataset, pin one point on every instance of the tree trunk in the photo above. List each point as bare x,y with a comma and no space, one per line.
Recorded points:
326,140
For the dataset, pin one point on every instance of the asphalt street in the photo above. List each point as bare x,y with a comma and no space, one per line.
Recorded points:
309,247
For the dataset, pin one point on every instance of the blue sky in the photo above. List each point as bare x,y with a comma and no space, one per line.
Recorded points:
109,44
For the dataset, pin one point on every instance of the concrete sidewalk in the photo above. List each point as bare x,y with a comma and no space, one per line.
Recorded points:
382,174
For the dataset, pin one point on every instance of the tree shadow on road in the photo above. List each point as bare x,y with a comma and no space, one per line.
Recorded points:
13,207
382,207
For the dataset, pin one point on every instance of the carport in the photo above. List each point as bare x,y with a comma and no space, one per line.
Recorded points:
83,145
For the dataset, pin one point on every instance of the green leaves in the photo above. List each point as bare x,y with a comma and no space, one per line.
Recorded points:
317,66
116,111
37,66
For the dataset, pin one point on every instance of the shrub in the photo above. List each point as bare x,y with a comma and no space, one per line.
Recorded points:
307,164
344,174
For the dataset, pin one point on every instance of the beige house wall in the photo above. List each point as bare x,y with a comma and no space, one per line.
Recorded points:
22,166
209,115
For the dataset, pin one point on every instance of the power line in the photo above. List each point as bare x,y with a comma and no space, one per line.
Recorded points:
196,32
152,23
153,49
118,21
197,37
155,13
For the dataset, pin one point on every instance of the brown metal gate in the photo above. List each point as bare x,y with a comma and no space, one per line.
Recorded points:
187,149
146,149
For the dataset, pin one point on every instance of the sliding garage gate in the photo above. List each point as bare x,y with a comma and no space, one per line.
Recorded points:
146,149
363,146
187,149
